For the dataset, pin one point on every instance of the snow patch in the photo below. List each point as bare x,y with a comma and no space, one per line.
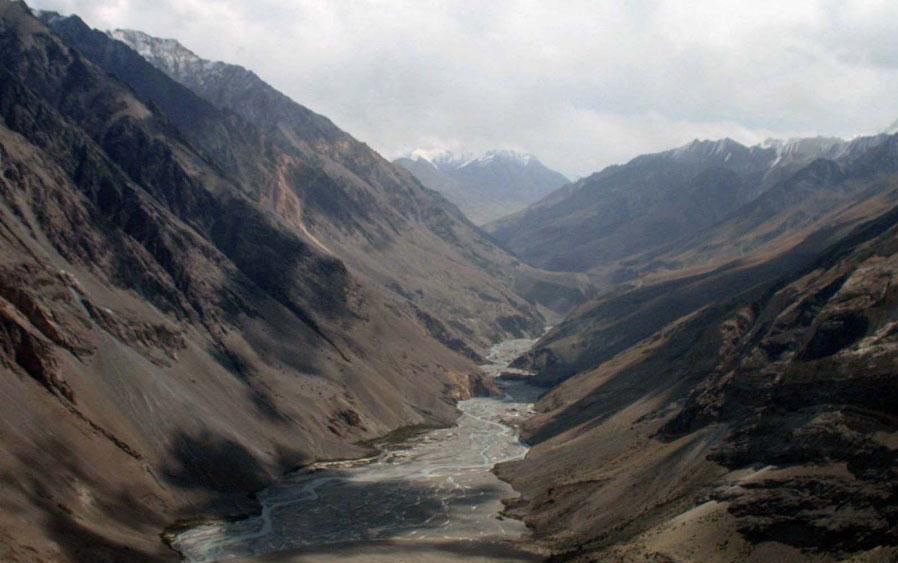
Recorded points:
441,158
505,155
169,55
891,129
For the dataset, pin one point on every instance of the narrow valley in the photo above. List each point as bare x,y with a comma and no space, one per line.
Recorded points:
235,329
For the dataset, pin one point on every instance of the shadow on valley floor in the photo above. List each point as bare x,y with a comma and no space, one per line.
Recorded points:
213,463
328,510
396,551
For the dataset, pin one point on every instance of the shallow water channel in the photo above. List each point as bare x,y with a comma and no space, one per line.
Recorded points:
434,487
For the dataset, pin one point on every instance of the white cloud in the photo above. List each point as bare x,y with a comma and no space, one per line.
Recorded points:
582,84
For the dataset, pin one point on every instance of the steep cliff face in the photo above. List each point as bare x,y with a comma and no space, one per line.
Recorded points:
167,340
755,423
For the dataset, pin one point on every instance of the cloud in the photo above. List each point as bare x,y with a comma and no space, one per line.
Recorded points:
582,84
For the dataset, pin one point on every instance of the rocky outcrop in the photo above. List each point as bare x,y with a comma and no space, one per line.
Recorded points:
26,349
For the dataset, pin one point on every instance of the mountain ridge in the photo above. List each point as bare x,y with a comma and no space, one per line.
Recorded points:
362,208
680,194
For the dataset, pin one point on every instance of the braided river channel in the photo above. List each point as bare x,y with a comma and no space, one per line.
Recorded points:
434,489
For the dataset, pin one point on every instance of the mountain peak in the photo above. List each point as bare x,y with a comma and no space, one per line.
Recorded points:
485,187
447,159
143,42
170,51
48,16
507,155
439,157
805,147
702,149
708,146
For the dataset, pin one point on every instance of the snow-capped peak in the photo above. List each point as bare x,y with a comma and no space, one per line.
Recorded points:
444,158
507,155
168,54
149,46
48,16
706,148
439,157
804,146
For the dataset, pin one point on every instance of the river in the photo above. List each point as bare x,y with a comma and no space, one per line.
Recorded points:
436,488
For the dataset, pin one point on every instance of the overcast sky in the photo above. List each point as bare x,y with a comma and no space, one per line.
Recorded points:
579,84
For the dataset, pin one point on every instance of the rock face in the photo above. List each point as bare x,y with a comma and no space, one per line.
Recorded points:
192,303
488,187
744,412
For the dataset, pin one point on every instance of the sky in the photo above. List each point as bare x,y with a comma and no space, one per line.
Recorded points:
580,84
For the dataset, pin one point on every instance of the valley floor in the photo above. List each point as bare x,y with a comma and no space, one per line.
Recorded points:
429,498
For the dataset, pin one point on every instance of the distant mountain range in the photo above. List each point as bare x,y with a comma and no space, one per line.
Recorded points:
485,187
692,206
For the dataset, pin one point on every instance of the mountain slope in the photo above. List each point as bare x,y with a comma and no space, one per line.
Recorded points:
744,412
623,210
488,187
169,341
361,208
697,206
767,418
803,214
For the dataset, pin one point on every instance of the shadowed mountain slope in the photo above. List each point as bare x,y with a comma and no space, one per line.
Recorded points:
368,211
334,190
171,337
743,412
